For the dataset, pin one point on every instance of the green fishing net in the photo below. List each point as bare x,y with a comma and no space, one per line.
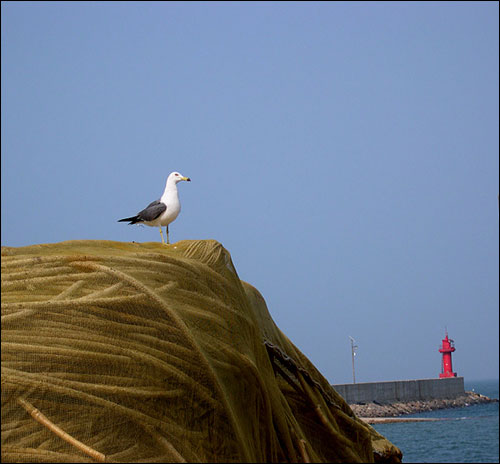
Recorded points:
126,352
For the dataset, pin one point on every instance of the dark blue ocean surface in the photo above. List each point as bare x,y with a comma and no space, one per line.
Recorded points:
467,434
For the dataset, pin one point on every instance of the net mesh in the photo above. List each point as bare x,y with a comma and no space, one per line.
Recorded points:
133,352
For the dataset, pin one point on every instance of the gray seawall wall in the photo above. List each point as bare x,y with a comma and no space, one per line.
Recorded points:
401,390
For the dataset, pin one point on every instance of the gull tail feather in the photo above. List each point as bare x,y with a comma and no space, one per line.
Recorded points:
130,220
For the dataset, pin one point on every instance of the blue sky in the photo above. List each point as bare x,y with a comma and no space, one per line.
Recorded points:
346,154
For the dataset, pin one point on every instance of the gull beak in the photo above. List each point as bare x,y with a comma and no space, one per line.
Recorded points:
186,178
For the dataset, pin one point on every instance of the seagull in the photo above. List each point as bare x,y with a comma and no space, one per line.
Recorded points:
163,211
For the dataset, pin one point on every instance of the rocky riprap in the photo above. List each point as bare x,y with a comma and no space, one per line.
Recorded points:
412,407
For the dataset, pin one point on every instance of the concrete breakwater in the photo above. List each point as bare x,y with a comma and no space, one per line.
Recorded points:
372,400
401,390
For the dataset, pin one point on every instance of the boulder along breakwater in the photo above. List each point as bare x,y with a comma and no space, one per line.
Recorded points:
394,409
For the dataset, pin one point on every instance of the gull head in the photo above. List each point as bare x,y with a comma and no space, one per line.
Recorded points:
176,177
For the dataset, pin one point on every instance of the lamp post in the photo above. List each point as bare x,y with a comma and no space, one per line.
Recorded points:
353,353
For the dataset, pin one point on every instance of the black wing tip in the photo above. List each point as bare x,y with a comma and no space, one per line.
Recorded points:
130,220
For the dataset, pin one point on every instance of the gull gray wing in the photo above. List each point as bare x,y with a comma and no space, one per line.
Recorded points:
152,211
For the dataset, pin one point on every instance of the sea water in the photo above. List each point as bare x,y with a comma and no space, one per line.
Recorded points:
468,434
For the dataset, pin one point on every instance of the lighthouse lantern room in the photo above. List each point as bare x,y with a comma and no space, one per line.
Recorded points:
446,349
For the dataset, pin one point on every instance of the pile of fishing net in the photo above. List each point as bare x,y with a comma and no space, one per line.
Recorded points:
145,353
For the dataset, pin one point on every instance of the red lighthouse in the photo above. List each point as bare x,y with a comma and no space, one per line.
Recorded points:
447,348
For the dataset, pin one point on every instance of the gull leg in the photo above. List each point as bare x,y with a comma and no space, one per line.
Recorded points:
162,239
168,241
